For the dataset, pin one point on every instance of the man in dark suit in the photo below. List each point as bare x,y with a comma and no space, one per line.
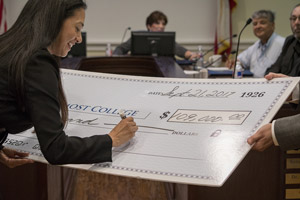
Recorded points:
283,132
288,62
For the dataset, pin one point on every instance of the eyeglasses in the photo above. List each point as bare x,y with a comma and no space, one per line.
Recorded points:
294,18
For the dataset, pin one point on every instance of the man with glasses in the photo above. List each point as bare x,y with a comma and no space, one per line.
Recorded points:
288,62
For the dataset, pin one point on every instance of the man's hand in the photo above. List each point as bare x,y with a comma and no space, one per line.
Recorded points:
262,138
230,63
272,75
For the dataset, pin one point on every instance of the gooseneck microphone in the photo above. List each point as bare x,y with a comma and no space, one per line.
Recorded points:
238,45
219,43
128,28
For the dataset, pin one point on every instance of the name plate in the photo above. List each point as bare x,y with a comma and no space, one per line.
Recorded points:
292,178
292,193
293,152
191,131
293,163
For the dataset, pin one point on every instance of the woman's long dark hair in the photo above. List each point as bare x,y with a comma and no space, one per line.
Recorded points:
36,27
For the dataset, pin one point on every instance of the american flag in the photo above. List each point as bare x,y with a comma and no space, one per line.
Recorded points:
3,22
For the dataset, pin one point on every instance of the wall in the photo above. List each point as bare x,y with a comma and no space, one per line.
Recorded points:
193,20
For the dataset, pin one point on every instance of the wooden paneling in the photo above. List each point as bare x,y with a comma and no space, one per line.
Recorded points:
24,182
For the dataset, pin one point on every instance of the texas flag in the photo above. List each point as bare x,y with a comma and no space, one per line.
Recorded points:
3,22
223,36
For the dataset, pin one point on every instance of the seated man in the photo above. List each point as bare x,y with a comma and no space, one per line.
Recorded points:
264,52
156,22
288,62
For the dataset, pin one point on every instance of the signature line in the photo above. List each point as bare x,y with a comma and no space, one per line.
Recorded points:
145,127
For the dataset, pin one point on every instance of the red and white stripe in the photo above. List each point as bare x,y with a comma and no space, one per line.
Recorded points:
224,26
3,22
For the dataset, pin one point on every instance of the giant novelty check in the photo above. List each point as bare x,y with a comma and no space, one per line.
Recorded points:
191,131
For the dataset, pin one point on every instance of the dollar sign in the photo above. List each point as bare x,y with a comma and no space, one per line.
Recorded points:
164,115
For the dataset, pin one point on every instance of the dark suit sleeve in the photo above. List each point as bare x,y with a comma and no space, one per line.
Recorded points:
287,132
180,50
123,48
276,67
43,108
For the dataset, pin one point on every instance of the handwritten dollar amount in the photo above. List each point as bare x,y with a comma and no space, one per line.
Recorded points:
209,116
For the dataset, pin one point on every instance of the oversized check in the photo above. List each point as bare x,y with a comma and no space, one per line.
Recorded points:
191,131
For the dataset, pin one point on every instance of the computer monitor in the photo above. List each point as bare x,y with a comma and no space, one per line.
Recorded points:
152,43
79,49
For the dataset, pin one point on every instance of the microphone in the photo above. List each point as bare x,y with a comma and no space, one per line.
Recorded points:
238,44
221,42
233,52
128,28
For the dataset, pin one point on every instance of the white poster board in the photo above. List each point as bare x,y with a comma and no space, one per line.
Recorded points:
191,131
